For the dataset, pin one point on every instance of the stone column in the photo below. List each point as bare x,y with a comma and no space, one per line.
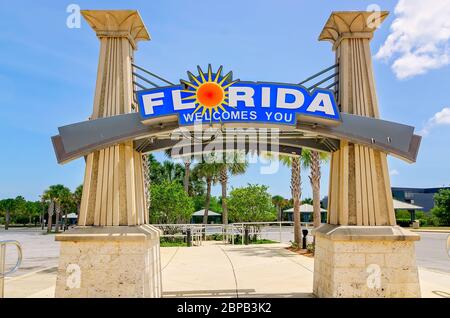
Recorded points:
360,252
114,251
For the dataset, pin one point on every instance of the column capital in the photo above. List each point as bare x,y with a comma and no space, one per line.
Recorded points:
117,23
351,24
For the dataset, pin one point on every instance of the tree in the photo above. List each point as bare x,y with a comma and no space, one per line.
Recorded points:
294,163
155,169
442,206
76,197
51,211
173,172
171,204
280,203
187,168
252,203
33,210
210,172
215,204
197,186
235,167
7,205
312,159
187,173
57,194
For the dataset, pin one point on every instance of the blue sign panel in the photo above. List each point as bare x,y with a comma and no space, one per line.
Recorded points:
214,98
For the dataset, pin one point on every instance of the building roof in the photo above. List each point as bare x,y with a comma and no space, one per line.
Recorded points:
202,212
71,216
305,208
419,190
400,205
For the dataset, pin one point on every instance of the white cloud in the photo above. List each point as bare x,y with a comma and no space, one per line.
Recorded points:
394,172
419,40
440,118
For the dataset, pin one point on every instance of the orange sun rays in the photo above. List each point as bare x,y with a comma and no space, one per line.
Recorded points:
209,94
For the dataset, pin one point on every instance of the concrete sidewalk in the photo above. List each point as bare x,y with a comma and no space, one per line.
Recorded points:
236,271
215,270
38,284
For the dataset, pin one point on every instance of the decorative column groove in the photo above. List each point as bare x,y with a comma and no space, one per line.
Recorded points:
113,248
361,238
361,194
107,170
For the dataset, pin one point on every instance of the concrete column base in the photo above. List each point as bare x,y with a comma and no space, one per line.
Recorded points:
365,261
116,261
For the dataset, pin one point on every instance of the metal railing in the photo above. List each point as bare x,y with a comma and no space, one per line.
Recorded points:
330,81
273,231
327,78
267,230
180,230
4,273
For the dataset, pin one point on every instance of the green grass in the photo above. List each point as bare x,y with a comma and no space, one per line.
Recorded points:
263,241
435,228
170,242
238,241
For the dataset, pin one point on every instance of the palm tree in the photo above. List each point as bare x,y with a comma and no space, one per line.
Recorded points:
187,173
56,194
172,171
8,205
187,168
43,205
235,167
294,163
211,173
280,203
76,197
51,210
312,160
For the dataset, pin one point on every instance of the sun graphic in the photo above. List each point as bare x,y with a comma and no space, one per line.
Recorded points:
210,93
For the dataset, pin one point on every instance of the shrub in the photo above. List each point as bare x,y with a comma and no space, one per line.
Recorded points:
404,222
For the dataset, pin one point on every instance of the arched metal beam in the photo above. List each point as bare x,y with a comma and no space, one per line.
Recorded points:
281,145
80,139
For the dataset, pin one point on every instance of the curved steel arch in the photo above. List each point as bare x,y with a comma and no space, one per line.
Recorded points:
80,139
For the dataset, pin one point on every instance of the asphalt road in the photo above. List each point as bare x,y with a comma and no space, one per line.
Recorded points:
41,251
431,251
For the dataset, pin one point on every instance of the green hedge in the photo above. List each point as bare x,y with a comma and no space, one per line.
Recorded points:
426,221
403,222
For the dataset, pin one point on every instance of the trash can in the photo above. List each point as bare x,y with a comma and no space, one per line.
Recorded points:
305,234
416,224
188,237
246,235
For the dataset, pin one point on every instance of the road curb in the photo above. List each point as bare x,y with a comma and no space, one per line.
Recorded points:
431,231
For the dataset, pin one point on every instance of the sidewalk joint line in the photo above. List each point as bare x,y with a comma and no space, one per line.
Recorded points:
171,258
234,272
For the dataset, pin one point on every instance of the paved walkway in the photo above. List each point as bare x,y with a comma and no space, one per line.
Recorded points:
40,250
215,270
266,270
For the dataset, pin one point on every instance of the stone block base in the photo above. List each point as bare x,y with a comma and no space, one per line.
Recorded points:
365,261
111,261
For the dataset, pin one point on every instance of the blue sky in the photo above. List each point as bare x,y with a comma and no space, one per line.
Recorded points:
48,71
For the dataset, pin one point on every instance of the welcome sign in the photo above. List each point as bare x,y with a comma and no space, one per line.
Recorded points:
215,98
